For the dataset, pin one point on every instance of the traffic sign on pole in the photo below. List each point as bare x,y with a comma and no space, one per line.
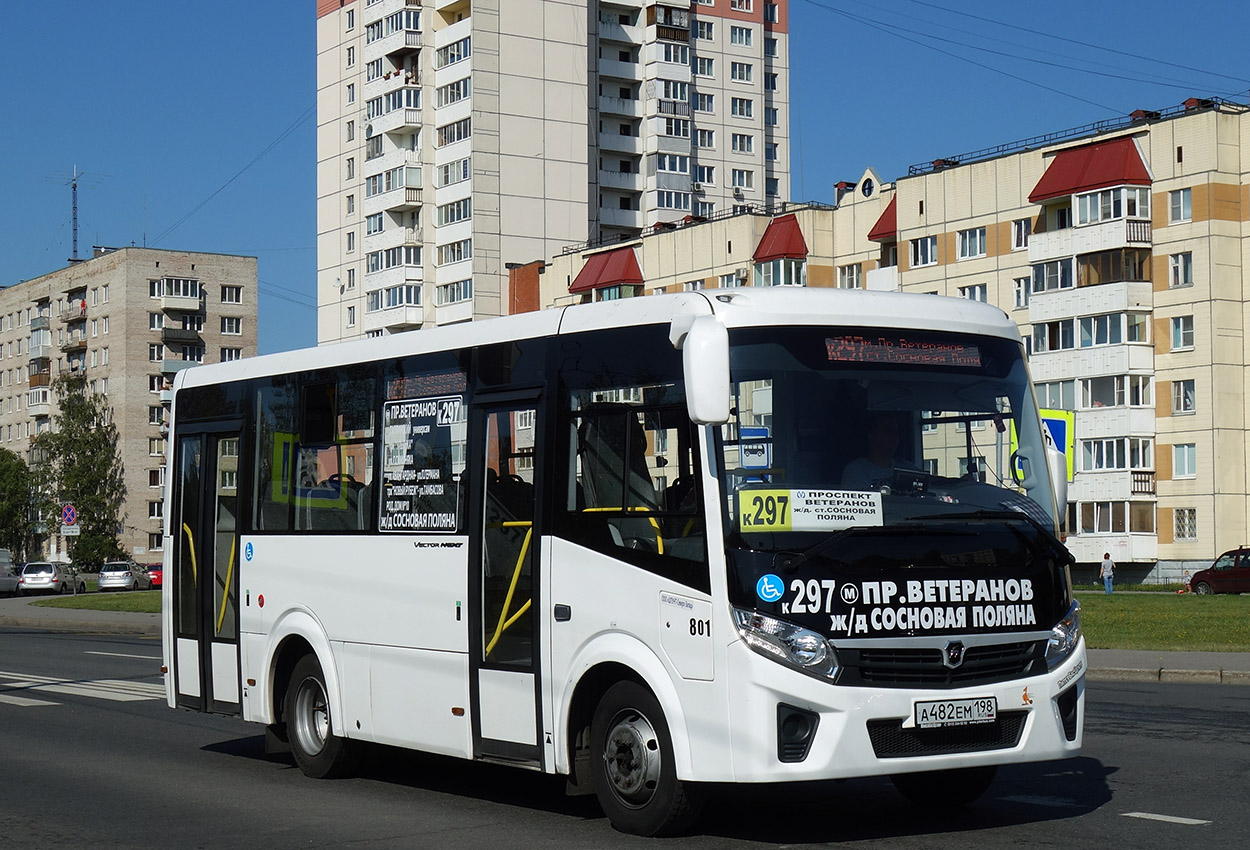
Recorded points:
69,514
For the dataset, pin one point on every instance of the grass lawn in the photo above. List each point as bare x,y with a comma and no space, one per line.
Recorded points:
1165,621
143,601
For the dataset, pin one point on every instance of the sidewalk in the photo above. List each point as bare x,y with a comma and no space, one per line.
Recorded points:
1105,665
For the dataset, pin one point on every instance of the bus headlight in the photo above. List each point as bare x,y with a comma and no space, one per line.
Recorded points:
795,646
1064,636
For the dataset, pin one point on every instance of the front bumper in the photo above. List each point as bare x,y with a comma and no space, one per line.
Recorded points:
865,731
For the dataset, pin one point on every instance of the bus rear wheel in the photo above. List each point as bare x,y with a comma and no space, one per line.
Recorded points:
945,788
635,775
317,750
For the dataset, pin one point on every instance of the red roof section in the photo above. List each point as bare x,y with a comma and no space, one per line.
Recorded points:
886,227
1096,166
608,269
783,238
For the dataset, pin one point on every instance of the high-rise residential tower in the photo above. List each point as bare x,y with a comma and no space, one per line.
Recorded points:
456,138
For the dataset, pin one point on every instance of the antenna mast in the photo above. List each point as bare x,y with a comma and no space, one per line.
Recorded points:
74,191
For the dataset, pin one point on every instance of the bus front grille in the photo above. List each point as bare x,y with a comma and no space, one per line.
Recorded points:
891,740
904,667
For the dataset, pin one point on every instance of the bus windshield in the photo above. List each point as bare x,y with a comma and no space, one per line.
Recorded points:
842,430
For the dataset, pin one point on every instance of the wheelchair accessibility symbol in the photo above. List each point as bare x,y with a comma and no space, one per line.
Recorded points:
770,588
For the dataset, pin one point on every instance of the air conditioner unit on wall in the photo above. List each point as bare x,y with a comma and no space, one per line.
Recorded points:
696,187
742,273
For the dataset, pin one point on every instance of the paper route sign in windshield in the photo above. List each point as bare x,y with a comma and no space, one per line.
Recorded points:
807,510
418,490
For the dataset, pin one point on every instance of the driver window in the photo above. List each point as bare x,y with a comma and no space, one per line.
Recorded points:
1225,561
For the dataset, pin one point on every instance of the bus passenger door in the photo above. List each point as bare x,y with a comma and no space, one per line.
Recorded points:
504,686
205,569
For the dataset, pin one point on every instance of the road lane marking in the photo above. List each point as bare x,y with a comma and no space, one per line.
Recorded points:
1033,800
124,655
1165,818
109,689
22,701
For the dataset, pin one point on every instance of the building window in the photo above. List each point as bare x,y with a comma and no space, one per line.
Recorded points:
351,317
1186,523
156,414
1138,327
704,66
1057,395
975,292
770,47
156,477
1179,206
1185,460
692,285
351,92
351,204
772,186
156,352
461,210
156,542
1101,330
678,128
972,243
156,446
741,142
1054,336
743,178
924,251
1183,398
454,132
155,383
351,20
231,325
455,52
1108,204
851,276
770,152
452,92
704,103
770,116
1103,517
704,209
1105,391
1182,333
669,200
741,107
782,272
740,5
770,13
231,295
704,30
740,36
1051,276
1181,268
740,71
1139,392
450,293
770,81
1020,290
705,139
729,281
705,175
1021,229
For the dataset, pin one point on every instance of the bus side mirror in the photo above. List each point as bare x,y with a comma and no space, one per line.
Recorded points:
704,345
1057,463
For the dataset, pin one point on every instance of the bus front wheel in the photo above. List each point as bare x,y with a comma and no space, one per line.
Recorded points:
957,787
632,758
317,750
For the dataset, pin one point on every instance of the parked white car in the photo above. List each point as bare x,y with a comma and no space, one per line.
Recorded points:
123,575
50,577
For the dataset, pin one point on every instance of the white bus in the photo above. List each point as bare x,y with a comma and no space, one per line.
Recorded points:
640,543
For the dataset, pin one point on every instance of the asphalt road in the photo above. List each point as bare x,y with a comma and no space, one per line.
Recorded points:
90,756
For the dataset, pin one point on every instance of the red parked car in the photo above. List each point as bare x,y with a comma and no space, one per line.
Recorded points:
156,575
1229,574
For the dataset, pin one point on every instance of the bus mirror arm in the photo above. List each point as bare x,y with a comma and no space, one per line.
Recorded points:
704,344
1057,464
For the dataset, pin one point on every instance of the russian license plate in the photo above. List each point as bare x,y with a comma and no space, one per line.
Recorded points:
956,712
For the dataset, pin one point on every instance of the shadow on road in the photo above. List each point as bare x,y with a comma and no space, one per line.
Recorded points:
848,810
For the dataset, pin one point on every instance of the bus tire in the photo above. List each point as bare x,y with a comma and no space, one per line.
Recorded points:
317,750
635,775
945,788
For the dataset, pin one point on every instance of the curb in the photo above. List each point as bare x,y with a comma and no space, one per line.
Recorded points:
1161,674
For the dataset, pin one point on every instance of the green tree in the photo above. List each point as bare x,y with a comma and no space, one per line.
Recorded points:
77,462
15,502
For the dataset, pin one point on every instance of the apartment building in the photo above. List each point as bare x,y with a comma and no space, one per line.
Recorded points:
127,319
1122,249
456,138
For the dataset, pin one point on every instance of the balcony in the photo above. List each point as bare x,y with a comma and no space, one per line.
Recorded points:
40,323
169,367
400,41
40,379
620,70
625,180
166,396
1121,359
673,144
1115,297
627,106
180,336
40,352
1143,483
623,144
74,311
397,120
1104,236
1124,548
182,303
882,280
620,218
395,319
624,33
672,33
72,345
672,107
402,199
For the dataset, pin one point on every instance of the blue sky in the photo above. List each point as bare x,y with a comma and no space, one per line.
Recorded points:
193,123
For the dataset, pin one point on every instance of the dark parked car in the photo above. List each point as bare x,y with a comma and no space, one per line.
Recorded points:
1229,574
